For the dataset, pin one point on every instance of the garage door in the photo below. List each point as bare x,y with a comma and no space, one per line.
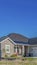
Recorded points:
34,51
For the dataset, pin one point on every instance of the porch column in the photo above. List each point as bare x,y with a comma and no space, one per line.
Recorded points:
22,50
16,49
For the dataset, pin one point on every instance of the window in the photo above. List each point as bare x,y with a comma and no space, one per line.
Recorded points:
7,48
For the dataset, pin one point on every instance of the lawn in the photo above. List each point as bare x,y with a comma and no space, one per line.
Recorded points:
22,61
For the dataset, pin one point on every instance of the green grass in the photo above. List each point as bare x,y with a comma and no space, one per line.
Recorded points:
29,59
22,61
16,63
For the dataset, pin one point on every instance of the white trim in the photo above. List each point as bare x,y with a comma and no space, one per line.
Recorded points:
7,47
4,40
23,44
11,41
7,39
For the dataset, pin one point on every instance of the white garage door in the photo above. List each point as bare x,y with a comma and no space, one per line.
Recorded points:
34,51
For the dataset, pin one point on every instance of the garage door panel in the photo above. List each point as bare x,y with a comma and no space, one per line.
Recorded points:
34,51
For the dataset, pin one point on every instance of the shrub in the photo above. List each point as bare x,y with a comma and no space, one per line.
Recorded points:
6,55
13,55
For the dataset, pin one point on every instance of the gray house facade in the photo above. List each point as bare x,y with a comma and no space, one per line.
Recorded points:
18,44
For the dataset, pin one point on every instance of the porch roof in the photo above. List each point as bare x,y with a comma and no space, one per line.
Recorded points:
21,42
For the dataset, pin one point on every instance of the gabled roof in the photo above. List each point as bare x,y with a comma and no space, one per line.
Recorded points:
18,37
3,38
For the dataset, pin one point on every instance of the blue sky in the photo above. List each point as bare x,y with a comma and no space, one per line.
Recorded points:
18,16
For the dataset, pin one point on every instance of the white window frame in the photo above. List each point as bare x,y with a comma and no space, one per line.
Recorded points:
6,47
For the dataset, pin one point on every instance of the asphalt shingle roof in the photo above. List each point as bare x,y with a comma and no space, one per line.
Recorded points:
2,38
32,41
17,38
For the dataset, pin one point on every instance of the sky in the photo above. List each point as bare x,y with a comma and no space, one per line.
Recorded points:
18,16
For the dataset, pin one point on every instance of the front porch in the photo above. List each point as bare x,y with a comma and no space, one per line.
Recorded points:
22,50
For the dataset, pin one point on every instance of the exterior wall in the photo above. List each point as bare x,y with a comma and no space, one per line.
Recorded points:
6,42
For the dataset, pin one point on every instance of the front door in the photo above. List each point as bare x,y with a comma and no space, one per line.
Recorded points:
19,50
26,50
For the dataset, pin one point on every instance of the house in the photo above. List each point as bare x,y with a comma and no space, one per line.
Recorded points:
18,44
